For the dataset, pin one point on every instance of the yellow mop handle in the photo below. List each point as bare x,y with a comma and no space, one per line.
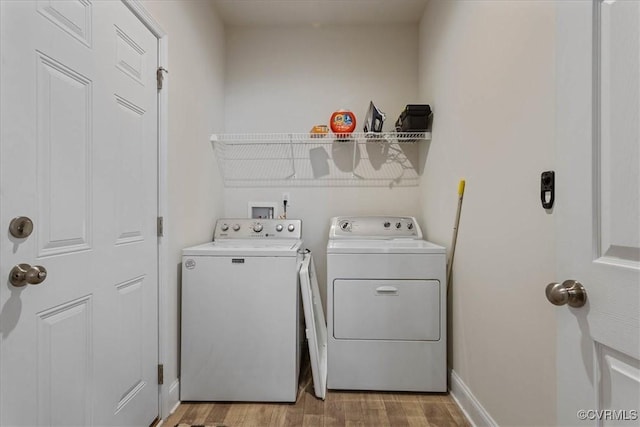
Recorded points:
455,232
461,188
450,265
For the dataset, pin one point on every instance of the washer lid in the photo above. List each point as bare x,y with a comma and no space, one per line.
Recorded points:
394,246
316,328
246,247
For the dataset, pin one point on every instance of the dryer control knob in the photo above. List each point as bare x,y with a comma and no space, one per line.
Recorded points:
410,226
291,227
257,227
236,227
387,224
398,225
224,227
279,227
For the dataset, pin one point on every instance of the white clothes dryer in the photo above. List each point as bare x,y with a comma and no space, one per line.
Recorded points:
241,324
386,306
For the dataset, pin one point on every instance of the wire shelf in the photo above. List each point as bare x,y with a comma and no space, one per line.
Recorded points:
303,160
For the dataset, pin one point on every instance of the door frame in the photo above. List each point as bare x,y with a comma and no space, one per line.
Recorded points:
138,9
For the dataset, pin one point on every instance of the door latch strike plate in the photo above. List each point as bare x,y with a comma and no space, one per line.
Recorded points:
160,76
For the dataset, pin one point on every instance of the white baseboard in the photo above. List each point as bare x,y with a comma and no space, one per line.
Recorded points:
174,395
470,406
170,399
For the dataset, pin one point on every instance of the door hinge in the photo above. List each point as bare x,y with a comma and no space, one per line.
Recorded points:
160,226
160,76
160,374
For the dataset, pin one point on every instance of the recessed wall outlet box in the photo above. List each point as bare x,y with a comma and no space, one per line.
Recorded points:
268,210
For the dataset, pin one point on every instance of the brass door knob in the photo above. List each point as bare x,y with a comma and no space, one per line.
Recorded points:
568,292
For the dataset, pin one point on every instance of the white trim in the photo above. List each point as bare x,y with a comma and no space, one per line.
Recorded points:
175,385
164,274
174,396
145,17
469,405
165,394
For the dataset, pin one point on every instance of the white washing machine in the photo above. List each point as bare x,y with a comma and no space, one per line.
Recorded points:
386,306
241,325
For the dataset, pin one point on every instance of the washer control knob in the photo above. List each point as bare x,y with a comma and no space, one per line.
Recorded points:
279,227
387,224
257,227
224,227
410,226
398,225
236,227
291,227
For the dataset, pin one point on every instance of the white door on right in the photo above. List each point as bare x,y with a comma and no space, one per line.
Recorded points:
598,210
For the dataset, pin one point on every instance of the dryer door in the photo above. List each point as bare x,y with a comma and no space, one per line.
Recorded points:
316,328
405,310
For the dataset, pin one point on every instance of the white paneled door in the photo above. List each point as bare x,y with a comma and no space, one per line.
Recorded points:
78,156
598,210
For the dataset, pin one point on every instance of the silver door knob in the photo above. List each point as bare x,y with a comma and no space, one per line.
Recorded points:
25,274
21,227
568,292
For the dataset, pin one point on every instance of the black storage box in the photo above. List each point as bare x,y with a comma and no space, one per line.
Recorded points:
414,118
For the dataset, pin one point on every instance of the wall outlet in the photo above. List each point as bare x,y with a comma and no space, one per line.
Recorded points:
286,196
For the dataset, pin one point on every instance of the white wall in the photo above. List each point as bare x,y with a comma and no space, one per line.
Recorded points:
316,206
287,79
196,98
487,68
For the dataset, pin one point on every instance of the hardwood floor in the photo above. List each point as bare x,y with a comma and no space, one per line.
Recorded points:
339,409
